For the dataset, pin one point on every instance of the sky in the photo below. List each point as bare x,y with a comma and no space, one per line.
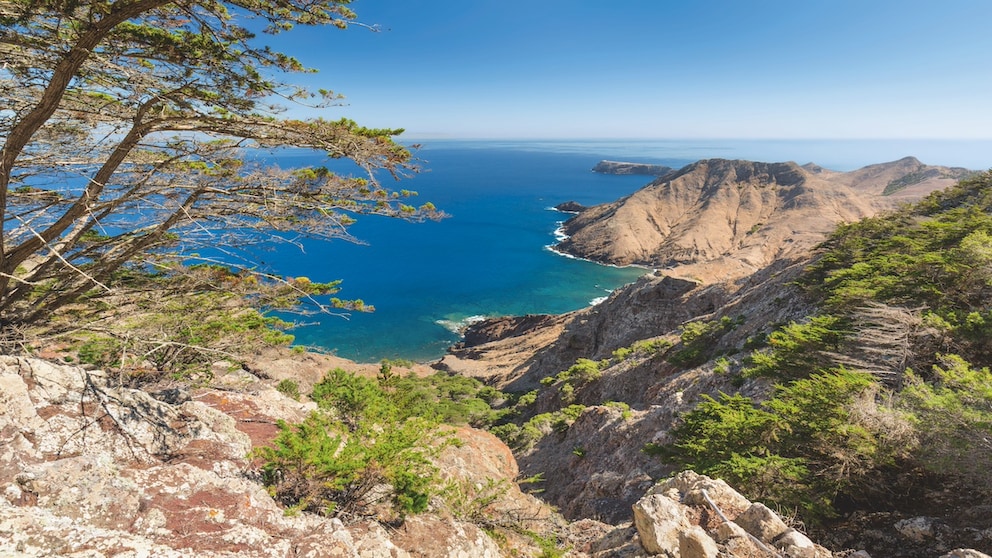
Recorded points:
659,68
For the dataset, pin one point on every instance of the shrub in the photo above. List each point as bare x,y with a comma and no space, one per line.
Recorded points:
698,340
770,449
954,414
797,350
322,466
289,388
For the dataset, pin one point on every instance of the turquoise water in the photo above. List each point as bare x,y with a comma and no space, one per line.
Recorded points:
490,258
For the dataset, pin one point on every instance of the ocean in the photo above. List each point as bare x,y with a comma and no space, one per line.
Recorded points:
491,256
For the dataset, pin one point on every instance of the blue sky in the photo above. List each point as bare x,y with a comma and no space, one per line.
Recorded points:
659,68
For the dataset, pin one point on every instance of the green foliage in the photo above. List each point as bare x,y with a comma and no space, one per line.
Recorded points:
650,347
548,546
699,338
289,388
622,354
99,351
770,450
721,366
524,437
323,466
794,351
954,413
369,433
184,90
828,433
624,408
582,372
472,502
643,348
441,397
934,254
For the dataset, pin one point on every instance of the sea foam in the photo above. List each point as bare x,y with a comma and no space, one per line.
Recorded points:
459,326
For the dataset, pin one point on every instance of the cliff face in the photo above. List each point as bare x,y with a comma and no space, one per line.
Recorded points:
719,218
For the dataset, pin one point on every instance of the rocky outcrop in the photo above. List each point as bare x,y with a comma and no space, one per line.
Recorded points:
620,167
570,207
90,469
693,516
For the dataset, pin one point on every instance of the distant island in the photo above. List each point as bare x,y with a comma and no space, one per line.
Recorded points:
619,167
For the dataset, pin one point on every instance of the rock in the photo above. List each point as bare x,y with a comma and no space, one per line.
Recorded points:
795,545
965,553
729,531
695,543
494,329
917,528
570,207
692,487
762,522
430,537
659,521
92,469
730,217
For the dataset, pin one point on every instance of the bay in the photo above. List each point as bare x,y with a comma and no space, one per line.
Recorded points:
491,257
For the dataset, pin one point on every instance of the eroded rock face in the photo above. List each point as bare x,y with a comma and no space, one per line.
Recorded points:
91,470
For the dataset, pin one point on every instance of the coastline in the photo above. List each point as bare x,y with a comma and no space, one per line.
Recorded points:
560,236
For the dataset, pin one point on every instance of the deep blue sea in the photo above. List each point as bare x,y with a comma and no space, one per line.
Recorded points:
490,257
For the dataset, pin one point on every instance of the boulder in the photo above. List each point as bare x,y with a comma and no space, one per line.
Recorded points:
659,521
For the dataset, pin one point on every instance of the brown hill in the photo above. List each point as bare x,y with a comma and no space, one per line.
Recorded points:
720,218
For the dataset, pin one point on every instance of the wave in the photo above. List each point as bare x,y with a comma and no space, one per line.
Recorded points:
598,300
459,326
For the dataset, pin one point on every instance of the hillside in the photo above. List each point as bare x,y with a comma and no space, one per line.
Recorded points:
720,218
845,383
844,387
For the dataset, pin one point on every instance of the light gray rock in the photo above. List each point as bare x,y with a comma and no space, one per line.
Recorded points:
762,522
796,545
695,543
917,529
729,531
965,553
659,521
691,486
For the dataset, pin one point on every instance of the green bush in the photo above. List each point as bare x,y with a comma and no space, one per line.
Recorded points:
954,417
369,434
797,350
289,388
698,340
322,466
770,450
